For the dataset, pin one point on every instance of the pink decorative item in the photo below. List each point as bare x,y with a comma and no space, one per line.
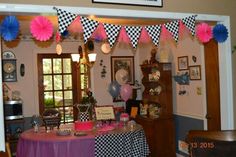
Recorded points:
124,117
204,32
123,37
41,28
75,26
99,33
144,37
58,37
165,34
83,126
182,29
126,91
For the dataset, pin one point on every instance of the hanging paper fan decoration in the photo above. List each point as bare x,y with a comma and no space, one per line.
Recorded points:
203,32
9,28
41,28
220,33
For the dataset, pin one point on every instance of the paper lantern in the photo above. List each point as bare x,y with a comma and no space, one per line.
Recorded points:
9,28
41,28
203,32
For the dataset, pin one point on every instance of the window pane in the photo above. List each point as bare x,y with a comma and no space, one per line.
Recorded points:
58,98
83,68
61,110
69,114
67,82
67,65
47,66
57,65
68,98
57,82
47,82
48,99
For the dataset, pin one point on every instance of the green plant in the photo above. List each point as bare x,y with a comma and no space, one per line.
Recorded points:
48,102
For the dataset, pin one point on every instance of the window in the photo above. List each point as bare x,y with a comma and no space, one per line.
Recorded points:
61,84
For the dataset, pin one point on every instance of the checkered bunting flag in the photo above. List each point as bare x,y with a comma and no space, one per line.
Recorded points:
173,28
134,33
154,32
89,27
112,32
190,22
64,19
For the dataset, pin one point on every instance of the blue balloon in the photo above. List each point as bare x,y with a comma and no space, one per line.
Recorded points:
114,89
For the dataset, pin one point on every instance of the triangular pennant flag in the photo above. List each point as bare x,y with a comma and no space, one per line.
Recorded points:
154,32
133,32
173,28
189,22
64,19
112,32
89,27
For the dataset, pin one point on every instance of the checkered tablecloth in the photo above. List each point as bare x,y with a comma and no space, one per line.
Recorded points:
122,144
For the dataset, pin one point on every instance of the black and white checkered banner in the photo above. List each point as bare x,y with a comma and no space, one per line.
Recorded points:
112,32
84,116
89,27
190,22
133,33
64,19
173,28
126,144
154,32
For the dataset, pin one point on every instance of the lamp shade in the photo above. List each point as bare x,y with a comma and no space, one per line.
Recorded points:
75,57
92,57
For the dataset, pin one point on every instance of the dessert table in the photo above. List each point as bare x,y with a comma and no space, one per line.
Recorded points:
119,142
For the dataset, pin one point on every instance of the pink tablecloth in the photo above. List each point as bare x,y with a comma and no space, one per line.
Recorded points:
44,144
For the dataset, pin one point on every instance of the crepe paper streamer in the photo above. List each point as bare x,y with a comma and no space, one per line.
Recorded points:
220,33
204,32
144,37
58,49
41,28
75,27
9,28
58,37
99,33
123,37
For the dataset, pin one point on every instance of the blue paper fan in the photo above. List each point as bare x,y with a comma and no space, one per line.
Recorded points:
9,28
220,33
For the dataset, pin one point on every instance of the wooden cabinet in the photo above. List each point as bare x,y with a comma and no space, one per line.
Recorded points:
157,81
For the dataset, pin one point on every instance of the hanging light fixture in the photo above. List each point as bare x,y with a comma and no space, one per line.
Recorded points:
81,57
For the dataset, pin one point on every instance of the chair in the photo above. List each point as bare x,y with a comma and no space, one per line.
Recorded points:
8,151
212,143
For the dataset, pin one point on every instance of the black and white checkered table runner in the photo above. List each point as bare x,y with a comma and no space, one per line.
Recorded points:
125,144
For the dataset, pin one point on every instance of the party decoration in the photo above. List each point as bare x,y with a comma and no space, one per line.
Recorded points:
112,32
58,37
75,27
9,28
203,32
65,34
89,27
123,37
182,79
58,49
220,33
133,33
173,28
154,31
126,91
41,28
114,89
189,22
144,37
99,33
64,19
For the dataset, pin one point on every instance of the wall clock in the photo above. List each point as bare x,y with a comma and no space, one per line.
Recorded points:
9,67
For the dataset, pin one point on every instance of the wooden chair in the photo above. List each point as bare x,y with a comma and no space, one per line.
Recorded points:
212,143
8,151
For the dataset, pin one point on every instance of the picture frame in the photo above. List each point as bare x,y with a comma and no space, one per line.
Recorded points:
122,69
183,63
195,72
150,3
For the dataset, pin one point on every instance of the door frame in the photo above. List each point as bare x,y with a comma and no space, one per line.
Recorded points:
225,62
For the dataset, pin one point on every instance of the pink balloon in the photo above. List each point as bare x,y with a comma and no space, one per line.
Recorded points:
126,91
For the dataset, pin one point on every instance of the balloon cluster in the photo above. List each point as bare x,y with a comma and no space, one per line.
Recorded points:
115,89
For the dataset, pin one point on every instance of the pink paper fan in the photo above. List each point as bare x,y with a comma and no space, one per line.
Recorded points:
144,37
75,26
123,37
204,32
41,28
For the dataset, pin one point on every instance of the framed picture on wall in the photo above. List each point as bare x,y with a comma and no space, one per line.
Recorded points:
183,63
195,72
154,3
